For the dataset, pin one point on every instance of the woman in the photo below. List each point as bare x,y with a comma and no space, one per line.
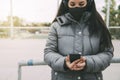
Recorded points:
78,29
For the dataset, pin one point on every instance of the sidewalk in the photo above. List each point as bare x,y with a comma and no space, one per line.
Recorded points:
13,51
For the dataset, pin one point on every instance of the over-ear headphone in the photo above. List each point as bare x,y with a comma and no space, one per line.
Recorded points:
65,2
89,2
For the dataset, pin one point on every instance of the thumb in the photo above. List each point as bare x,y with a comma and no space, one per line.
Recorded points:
83,59
67,59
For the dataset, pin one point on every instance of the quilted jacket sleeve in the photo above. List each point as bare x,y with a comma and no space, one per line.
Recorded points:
51,55
100,61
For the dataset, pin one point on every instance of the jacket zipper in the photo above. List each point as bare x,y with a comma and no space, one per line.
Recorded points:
82,39
74,40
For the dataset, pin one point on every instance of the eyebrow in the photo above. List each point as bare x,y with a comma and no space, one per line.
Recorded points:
82,2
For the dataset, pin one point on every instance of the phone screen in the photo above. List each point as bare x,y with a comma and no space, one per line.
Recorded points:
74,57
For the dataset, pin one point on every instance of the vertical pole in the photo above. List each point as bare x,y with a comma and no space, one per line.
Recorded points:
58,1
108,13
11,20
19,72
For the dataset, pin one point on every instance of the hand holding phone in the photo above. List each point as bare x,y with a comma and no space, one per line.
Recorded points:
74,57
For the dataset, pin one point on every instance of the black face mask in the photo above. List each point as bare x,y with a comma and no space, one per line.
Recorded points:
77,12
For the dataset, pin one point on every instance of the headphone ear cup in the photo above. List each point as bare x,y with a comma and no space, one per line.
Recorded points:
90,2
65,2
89,5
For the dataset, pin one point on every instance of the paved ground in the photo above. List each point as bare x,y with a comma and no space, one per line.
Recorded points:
13,51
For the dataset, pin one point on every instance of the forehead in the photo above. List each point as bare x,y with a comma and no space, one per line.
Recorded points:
76,0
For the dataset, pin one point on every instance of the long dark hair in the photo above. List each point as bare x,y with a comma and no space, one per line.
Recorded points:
96,26
62,10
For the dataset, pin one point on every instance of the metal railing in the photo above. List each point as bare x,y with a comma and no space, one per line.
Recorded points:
40,63
20,32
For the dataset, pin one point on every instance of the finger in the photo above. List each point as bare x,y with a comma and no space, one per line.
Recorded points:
81,64
76,68
73,64
68,62
76,61
71,67
83,58
67,59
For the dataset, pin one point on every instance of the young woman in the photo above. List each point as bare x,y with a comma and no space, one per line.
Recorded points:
78,29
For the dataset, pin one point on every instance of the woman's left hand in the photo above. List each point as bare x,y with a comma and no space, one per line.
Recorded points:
80,65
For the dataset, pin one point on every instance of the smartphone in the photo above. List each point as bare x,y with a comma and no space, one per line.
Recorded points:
74,57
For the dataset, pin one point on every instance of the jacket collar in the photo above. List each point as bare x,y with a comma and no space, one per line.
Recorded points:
68,18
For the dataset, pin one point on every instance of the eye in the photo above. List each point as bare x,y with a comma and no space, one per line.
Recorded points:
81,4
72,4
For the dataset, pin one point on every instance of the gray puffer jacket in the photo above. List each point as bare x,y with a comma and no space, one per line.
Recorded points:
68,36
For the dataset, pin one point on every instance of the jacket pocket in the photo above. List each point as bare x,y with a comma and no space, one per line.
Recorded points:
99,76
92,76
53,75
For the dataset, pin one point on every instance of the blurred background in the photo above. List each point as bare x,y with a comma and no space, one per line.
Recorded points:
24,27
